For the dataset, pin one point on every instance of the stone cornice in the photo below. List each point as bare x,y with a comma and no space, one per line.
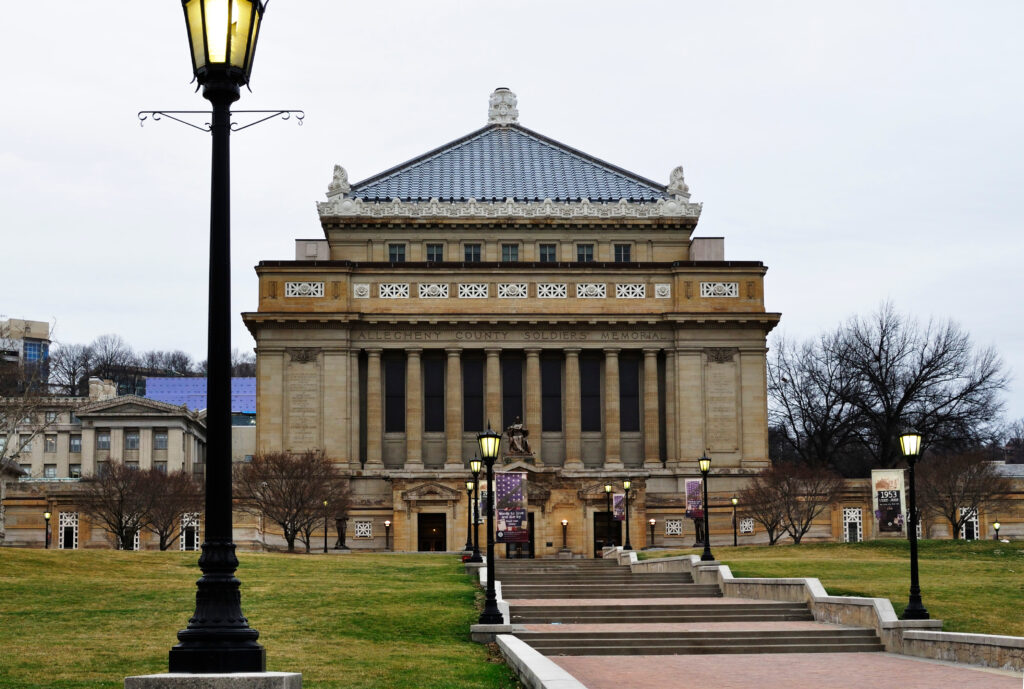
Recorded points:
344,207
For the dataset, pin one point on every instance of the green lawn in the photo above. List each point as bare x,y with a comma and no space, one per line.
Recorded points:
975,586
91,618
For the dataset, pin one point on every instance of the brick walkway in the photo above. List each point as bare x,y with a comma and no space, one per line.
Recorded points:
782,671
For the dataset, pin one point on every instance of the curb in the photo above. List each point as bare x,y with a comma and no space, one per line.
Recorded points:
534,670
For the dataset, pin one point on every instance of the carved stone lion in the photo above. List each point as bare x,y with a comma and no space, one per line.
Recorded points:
339,182
677,185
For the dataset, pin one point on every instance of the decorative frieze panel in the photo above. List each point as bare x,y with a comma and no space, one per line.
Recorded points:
361,290
433,291
663,291
393,290
552,290
473,290
673,527
303,289
591,290
747,525
719,289
363,528
512,290
631,291
435,208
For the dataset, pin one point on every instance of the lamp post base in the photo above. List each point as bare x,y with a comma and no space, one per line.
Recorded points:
915,611
234,680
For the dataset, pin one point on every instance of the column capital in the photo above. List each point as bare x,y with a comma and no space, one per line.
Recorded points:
533,351
572,351
651,351
492,351
414,351
612,350
374,351
453,351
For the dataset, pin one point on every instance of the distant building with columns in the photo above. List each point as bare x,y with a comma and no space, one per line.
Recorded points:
502,276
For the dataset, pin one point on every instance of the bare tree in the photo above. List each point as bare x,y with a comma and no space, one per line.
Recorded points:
116,497
804,493
174,494
24,401
289,489
959,485
112,356
70,366
1012,438
243,363
761,502
336,508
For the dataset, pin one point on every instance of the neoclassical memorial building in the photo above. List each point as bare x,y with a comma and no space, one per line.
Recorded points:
507,276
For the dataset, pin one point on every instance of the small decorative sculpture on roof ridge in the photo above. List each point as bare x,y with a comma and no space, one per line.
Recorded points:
339,183
502,107
677,185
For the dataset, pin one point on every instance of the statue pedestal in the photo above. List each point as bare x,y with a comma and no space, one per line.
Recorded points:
528,458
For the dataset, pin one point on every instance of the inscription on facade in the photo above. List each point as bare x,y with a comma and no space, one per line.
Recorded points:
302,406
722,405
510,336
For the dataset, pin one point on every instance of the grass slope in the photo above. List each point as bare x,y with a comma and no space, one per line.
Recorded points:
74,619
975,586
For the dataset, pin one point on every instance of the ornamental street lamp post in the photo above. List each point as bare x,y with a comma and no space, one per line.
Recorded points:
608,514
910,444
565,527
222,37
626,486
46,534
325,526
387,534
489,442
705,466
474,466
995,527
469,517
652,522
735,540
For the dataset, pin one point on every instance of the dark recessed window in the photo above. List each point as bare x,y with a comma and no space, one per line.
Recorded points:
548,253
590,393
509,252
472,253
394,394
629,394
396,253
623,253
551,394
435,252
472,394
433,393
584,253
511,390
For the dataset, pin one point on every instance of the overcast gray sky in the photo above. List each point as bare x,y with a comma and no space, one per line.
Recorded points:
864,151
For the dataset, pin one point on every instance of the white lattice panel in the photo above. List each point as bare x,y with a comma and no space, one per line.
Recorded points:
433,291
64,520
473,290
631,291
552,290
673,527
303,289
393,290
511,290
364,528
189,520
719,289
853,516
591,290
747,525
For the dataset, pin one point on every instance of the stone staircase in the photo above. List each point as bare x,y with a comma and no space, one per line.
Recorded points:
539,579
668,612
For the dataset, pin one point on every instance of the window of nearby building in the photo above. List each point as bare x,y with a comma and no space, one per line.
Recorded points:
472,252
132,465
584,253
102,468
51,417
551,394
160,466
472,394
160,439
74,419
590,393
629,394
511,390
243,419
3,443
433,393
509,252
35,351
394,394
623,253
75,470
102,440
49,471
131,440
25,441
435,252
27,468
396,253
548,253
75,444
50,443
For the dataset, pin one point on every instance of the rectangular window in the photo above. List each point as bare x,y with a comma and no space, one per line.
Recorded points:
472,252
472,394
159,440
394,395
629,394
511,390
623,253
131,440
102,440
25,441
509,252
75,470
396,253
363,528
548,253
433,394
435,252
243,419
673,527
3,443
75,419
584,253
51,417
75,444
551,394
102,468
590,393
27,468
160,466
132,464
50,443
49,471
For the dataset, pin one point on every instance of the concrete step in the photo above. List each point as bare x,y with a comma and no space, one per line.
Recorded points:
593,578
648,613
578,592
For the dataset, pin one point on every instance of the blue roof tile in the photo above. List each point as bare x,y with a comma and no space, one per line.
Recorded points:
192,393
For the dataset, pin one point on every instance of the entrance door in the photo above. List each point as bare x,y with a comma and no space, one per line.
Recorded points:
607,531
521,551
431,532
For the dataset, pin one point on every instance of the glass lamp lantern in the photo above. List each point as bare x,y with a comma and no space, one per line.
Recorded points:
910,444
488,442
475,465
705,464
222,37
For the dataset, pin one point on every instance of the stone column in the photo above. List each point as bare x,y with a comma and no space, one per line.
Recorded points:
145,448
374,411
453,411
413,410
612,410
652,457
492,390
671,425
572,409
532,402
353,406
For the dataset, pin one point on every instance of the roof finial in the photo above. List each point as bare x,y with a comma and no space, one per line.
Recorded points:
677,185
502,107
339,183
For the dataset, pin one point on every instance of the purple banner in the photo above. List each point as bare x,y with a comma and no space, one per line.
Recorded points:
513,524
694,501
618,507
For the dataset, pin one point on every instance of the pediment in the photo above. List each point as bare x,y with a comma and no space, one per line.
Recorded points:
129,405
432,492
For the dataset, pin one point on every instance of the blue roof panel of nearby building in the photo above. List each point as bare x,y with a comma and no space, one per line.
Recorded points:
192,393
500,162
